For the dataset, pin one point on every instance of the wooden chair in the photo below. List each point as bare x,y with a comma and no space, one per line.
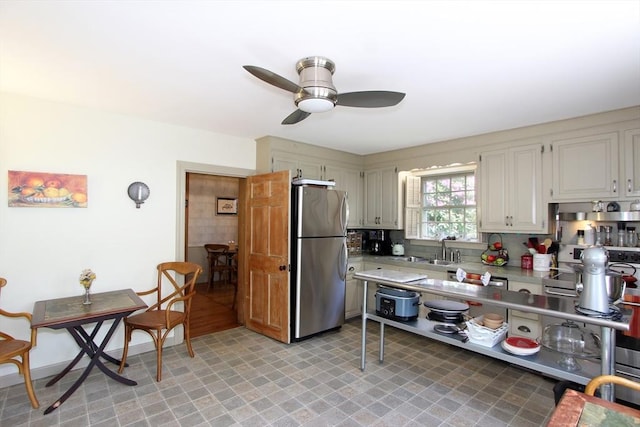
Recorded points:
17,351
160,318
218,257
596,382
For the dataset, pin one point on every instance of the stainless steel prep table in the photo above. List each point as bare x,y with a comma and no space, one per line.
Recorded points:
544,361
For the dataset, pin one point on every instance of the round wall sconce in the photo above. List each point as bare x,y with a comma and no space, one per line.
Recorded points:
138,192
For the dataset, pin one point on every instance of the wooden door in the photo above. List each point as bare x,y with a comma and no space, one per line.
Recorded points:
267,242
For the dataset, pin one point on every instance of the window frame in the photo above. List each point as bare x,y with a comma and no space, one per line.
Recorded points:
414,194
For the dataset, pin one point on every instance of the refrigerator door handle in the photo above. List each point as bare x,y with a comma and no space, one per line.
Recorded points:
345,261
344,213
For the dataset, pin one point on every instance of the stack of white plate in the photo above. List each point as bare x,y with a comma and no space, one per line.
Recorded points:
521,346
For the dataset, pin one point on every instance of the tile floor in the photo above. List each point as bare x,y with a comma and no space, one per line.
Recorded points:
239,378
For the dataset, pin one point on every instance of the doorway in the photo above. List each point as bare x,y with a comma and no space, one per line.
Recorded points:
209,220
199,187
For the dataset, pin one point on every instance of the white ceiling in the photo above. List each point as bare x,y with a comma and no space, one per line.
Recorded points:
467,67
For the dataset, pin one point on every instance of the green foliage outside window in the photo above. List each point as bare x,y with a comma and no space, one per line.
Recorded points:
449,207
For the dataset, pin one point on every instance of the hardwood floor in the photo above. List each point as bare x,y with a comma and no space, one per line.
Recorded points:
211,310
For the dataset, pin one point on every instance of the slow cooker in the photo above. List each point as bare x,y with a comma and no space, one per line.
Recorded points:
397,304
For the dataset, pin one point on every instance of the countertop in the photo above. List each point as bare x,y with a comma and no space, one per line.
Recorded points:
512,273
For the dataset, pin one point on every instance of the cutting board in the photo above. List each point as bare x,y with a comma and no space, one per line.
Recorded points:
392,275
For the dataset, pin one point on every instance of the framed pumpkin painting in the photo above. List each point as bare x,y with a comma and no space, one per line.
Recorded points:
47,190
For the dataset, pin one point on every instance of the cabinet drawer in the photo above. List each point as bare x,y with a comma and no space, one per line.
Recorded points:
527,288
524,327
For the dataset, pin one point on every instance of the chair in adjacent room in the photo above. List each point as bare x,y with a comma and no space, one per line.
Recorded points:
218,258
16,351
161,317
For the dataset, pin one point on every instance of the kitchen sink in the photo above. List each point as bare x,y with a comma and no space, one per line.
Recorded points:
440,262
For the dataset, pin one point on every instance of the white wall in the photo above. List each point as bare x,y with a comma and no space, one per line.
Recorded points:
43,250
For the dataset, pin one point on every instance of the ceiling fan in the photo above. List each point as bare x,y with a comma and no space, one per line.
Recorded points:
316,92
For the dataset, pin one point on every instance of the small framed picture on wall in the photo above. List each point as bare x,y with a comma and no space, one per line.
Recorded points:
226,206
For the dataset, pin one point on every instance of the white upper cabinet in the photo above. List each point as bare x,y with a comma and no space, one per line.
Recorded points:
351,181
511,190
381,198
631,156
585,167
303,168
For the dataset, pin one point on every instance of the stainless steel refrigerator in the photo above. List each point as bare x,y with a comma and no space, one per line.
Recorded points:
318,258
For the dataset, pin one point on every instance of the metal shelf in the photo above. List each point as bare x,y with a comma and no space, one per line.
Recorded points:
545,361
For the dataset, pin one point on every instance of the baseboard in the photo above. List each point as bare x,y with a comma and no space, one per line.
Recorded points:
55,369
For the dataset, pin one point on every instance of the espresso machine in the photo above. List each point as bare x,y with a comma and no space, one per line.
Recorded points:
594,297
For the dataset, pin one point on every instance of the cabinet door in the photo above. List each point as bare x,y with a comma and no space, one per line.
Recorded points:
493,191
280,164
632,163
354,186
526,212
304,168
310,169
336,174
372,198
527,288
389,198
511,190
585,168
353,295
381,198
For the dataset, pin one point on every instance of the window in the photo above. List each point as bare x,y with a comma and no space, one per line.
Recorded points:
442,205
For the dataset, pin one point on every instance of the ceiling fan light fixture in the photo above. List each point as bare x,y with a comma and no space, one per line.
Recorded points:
315,92
315,105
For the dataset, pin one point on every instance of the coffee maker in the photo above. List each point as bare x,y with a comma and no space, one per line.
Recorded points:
379,243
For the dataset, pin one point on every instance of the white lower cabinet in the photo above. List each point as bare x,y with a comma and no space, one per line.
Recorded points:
525,327
353,293
521,323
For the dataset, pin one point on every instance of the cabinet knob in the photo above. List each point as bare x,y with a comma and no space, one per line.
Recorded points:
615,185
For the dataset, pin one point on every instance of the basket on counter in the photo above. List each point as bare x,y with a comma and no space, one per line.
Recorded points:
495,254
484,336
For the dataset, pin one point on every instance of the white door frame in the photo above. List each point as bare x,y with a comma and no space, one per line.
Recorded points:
183,168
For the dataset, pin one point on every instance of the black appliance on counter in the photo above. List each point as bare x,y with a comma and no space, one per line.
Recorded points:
397,304
379,242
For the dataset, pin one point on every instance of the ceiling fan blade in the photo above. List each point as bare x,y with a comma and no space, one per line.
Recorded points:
370,99
295,117
272,78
